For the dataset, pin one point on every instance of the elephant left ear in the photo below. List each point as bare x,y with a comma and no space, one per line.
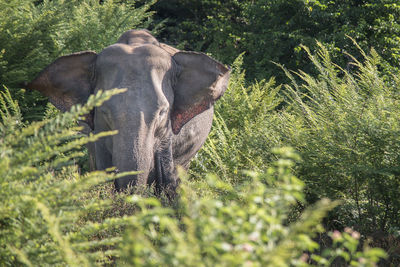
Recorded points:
67,81
200,82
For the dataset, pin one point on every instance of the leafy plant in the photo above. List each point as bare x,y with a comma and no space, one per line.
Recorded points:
41,207
346,127
52,215
242,124
272,31
235,226
344,251
344,123
34,33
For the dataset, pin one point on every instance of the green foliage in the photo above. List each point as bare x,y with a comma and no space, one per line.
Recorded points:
34,33
41,191
344,247
272,31
346,127
282,26
243,226
52,215
342,118
242,123
343,123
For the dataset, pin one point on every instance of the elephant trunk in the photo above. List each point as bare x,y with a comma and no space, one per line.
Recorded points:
153,160
132,154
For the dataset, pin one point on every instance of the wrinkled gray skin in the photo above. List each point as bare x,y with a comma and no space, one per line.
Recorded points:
162,119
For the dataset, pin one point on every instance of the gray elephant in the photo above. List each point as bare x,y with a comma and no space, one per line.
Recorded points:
162,119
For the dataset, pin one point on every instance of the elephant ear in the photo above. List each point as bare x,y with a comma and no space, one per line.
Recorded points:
200,82
67,81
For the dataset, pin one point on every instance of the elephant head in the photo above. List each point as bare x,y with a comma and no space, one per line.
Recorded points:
159,114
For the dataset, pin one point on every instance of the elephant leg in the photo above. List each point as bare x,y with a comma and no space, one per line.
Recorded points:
92,158
102,157
86,130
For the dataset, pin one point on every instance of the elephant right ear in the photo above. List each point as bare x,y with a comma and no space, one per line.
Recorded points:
68,80
201,81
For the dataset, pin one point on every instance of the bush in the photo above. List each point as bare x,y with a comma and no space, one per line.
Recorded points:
344,123
346,127
34,33
272,31
236,226
242,124
41,192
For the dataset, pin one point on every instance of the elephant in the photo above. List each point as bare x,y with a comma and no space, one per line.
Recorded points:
162,119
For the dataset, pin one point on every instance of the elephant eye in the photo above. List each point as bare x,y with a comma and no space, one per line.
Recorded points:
163,112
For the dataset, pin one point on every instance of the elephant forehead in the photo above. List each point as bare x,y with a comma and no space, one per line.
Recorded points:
133,37
137,68
143,57
143,70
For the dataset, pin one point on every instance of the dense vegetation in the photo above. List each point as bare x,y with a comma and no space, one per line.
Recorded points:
52,215
248,198
272,31
32,35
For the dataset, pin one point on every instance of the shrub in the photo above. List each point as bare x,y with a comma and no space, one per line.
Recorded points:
242,125
345,124
34,33
41,191
236,226
272,31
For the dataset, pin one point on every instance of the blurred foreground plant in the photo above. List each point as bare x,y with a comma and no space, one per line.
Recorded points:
245,226
41,190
